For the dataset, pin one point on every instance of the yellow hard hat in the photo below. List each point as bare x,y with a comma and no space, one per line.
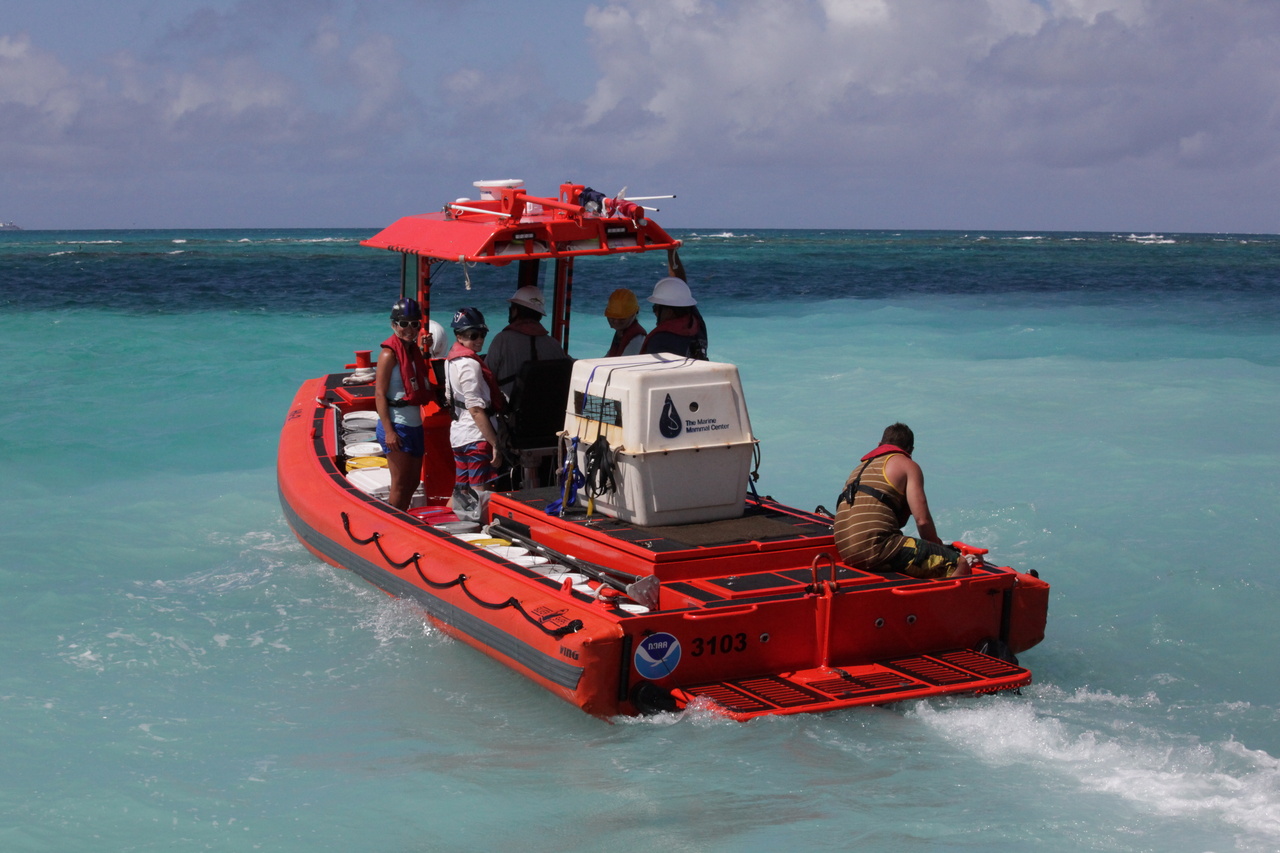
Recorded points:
622,305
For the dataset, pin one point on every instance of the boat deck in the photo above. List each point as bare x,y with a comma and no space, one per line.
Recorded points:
746,584
771,550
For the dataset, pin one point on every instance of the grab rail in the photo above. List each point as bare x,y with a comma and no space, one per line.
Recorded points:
924,589
459,581
719,613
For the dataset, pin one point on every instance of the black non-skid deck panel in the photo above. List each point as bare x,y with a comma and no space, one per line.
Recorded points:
844,573
696,593
751,583
920,673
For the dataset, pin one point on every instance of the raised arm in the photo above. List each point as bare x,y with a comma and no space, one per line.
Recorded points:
674,266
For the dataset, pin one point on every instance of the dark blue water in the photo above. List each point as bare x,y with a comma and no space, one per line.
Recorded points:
180,674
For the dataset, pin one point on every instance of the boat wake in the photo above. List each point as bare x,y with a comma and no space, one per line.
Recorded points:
1175,776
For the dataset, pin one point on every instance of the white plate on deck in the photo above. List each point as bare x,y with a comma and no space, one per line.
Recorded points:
364,448
530,560
508,551
355,420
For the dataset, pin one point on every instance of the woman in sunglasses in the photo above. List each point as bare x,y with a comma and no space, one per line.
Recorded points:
400,390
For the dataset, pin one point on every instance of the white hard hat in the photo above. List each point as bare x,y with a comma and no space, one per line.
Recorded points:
530,297
439,343
672,292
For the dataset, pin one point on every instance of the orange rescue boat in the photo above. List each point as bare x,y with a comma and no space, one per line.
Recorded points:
677,588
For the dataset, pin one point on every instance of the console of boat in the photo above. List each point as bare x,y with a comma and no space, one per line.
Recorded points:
668,584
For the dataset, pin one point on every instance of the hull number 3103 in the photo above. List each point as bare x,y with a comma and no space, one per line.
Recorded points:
718,644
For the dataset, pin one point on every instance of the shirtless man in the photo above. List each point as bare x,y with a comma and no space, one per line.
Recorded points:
879,496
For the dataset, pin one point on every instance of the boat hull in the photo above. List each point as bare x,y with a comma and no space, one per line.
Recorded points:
747,624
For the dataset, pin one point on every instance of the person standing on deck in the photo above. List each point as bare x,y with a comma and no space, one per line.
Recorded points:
524,338
878,498
400,390
680,329
474,399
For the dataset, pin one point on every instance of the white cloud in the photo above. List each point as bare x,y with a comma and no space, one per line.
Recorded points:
1073,82
852,13
32,78
923,111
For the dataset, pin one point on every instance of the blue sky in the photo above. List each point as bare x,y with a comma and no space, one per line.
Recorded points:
1114,115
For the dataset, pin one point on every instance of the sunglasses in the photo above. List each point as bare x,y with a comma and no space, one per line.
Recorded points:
471,336
405,324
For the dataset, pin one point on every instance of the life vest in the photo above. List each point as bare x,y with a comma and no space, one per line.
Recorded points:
690,330
622,337
851,489
496,400
413,372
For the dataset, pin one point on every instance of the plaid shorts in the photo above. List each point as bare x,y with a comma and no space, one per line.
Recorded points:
472,464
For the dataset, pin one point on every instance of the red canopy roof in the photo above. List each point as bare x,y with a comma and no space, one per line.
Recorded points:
515,226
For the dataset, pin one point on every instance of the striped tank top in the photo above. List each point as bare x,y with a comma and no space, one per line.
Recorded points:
868,532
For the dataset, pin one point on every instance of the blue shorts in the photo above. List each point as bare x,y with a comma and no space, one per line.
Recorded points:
473,464
410,439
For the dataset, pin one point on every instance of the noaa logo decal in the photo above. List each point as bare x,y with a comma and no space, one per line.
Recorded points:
669,421
657,656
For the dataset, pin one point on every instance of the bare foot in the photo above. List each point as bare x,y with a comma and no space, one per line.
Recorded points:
964,565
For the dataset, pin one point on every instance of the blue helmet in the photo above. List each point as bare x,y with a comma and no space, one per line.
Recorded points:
468,318
406,309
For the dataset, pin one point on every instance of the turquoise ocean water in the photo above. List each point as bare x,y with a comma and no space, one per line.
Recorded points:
179,674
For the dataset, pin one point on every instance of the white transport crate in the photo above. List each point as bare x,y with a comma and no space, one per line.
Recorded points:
679,431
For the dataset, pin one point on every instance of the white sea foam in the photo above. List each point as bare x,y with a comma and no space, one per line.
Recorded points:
1151,239
1175,776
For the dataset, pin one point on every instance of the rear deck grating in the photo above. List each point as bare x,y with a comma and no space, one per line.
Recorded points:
984,665
931,671
756,694
727,697
864,684
780,691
